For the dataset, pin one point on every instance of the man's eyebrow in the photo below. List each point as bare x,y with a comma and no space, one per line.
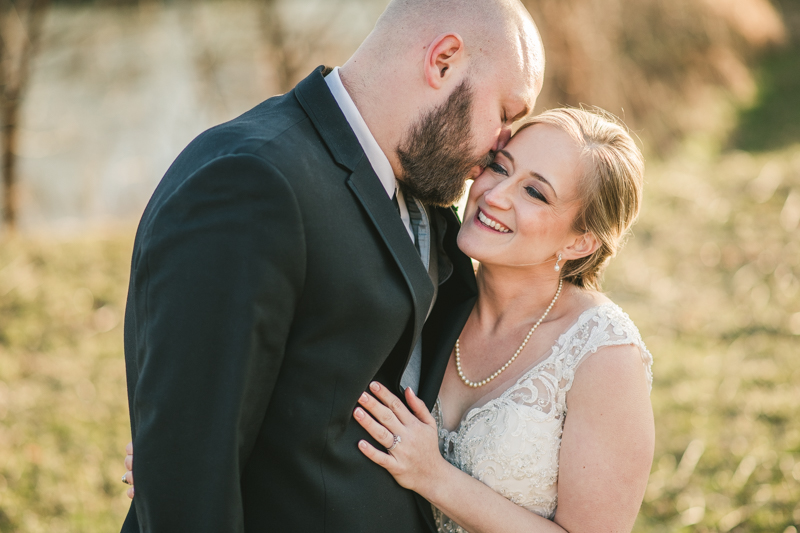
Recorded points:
544,180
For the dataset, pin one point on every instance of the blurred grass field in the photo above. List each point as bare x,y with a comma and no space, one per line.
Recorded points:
710,276
63,401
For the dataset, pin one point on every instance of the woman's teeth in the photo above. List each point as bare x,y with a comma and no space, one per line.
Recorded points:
491,223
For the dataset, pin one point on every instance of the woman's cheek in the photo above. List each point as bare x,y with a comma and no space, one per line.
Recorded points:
467,240
480,185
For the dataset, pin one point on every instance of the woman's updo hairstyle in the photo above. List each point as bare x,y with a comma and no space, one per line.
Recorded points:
610,191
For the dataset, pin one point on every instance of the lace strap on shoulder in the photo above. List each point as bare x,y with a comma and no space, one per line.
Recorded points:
606,325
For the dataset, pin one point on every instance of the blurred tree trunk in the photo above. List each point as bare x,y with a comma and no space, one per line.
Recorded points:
277,40
206,59
20,32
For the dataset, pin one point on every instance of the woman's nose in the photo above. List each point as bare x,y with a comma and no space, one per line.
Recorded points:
499,196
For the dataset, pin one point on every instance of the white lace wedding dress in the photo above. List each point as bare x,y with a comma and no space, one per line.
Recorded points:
511,442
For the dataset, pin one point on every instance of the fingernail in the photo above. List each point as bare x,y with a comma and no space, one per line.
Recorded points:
364,397
375,386
362,444
412,391
359,413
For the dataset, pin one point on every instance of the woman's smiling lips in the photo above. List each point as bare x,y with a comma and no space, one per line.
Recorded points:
493,224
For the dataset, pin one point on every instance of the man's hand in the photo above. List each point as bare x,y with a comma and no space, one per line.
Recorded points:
128,477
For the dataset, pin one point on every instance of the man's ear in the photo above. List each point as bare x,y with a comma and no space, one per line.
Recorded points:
445,54
584,245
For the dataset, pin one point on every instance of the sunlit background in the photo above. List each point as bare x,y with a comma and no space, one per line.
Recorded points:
98,97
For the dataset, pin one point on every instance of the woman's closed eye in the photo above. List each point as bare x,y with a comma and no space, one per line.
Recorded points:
534,193
497,167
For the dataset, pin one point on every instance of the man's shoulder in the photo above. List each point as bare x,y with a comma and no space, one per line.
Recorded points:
267,131
275,139
276,132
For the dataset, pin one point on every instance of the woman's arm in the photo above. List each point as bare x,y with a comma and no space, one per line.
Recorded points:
606,452
607,445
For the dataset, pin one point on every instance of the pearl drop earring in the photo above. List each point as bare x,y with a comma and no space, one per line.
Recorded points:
558,268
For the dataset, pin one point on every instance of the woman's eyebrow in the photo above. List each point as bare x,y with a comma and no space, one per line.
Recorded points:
534,174
544,180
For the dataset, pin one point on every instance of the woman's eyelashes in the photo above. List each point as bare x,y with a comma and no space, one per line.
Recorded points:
497,167
534,193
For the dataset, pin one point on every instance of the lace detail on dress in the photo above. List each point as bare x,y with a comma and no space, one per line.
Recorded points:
512,442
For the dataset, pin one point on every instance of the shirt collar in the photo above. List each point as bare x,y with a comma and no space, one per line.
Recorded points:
378,160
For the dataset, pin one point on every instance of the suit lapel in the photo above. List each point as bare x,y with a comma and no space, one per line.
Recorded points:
317,100
369,191
453,305
462,265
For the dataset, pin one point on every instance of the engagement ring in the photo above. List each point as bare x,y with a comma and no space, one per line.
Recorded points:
397,440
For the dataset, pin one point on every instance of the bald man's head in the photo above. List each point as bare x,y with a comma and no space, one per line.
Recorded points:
494,31
440,83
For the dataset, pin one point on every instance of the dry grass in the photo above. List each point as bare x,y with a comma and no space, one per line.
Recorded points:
711,277
63,403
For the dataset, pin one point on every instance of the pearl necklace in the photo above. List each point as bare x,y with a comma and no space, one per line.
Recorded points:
476,384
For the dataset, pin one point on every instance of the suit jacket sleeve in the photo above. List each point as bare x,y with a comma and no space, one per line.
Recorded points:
222,268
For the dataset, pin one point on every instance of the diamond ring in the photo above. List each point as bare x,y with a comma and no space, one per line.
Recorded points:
397,440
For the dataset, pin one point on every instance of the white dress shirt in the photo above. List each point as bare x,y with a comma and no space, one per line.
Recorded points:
378,160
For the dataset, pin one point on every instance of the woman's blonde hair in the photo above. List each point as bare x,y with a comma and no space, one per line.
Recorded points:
610,191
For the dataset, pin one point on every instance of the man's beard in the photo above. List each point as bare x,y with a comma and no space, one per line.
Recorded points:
437,154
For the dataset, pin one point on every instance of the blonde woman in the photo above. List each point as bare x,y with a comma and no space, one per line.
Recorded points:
543,421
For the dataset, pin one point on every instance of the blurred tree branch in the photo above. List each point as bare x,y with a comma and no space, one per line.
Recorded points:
290,46
20,32
207,61
275,36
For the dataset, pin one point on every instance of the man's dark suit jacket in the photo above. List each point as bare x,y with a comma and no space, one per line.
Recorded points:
272,279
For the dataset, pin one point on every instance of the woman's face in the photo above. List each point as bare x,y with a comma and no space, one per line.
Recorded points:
521,208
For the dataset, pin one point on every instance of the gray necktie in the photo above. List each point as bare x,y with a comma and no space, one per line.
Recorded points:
415,218
411,375
415,229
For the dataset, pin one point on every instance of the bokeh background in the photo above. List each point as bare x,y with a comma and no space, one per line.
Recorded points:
98,97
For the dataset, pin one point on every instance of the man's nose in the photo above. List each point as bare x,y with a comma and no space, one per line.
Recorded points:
503,138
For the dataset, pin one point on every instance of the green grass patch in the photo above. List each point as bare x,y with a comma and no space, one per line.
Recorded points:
63,401
711,278
773,121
